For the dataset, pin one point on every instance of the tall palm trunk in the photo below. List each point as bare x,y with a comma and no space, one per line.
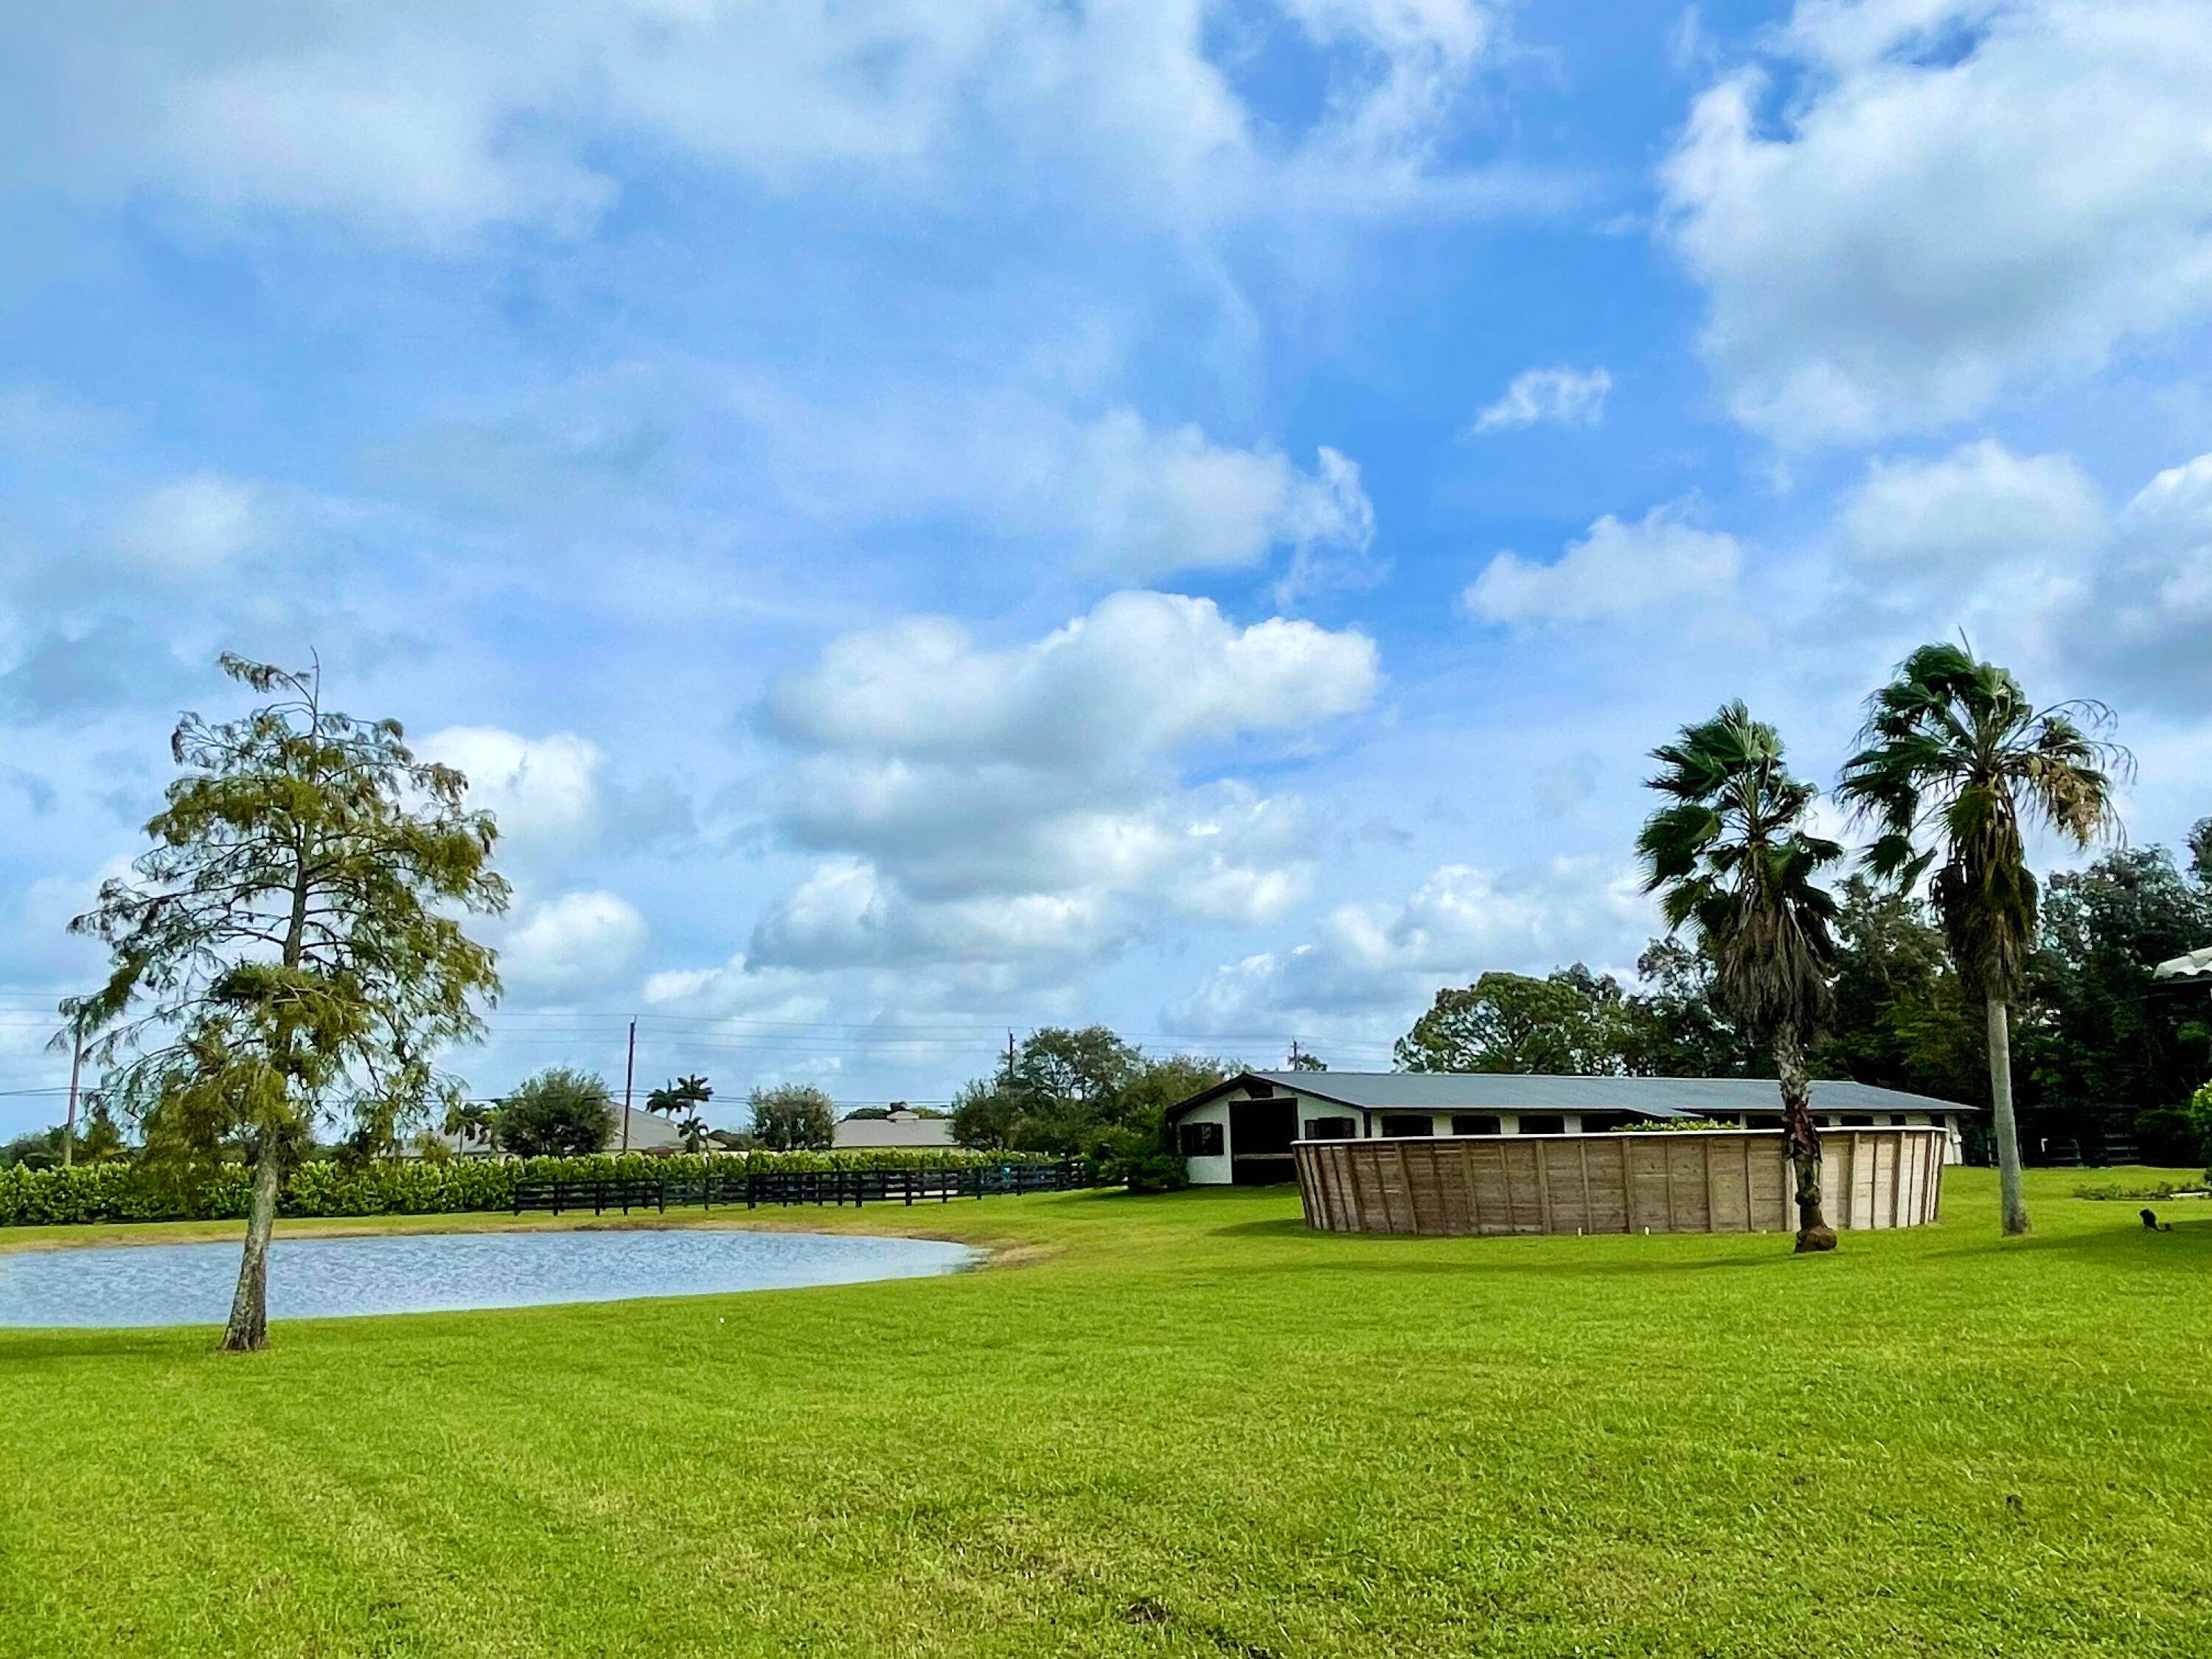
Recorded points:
2014,1202
248,1330
1801,1142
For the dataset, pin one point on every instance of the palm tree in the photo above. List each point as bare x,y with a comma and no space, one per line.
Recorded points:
1952,759
469,1122
694,1131
686,1093
1734,860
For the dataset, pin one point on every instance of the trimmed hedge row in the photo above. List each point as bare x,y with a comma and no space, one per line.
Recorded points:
132,1192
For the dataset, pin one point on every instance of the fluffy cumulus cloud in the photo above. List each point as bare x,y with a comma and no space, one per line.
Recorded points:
1954,197
1026,804
427,121
545,792
1618,569
1370,967
571,943
1557,397
2024,553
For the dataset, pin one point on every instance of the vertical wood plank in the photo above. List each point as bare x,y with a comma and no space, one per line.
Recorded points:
1467,1176
1712,1208
1748,1147
1543,1189
1590,1210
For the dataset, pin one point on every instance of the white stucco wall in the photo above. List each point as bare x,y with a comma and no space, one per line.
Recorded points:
1209,1171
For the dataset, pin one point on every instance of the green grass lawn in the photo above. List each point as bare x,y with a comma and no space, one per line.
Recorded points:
1177,1425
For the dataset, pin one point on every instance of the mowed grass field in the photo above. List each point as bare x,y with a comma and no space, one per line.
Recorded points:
1170,1425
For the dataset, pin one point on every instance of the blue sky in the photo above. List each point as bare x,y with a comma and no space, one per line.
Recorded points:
923,519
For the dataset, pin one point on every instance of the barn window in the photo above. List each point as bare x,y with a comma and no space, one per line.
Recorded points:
1200,1140
1332,1128
1475,1123
1404,1127
1542,1123
1858,1120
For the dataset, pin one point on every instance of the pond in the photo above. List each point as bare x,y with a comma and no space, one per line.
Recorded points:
426,1272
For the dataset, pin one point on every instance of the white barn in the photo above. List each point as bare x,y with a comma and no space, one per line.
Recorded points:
1240,1132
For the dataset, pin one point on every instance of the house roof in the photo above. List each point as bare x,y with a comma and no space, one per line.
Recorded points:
648,1133
1514,1091
913,1132
2195,966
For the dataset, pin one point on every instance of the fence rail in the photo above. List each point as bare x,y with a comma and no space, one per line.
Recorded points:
787,1187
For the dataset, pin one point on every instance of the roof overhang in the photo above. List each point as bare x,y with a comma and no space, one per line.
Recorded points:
2194,969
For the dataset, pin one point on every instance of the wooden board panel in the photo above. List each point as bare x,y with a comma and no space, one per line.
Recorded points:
1702,1182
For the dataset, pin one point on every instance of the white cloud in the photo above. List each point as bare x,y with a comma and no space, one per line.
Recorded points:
426,122
545,792
1371,967
1616,569
2150,618
193,525
1118,495
575,942
1562,397
1962,196
979,804
1979,507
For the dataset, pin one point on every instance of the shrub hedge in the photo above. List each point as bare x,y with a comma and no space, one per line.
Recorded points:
137,1192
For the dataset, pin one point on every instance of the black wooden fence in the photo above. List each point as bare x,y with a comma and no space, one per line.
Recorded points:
755,1188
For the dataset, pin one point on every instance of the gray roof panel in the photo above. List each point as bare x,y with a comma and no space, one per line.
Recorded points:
1513,1091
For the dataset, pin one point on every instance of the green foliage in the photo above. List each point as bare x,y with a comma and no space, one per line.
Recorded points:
98,1140
558,1113
2094,1030
1672,1125
1732,860
1582,1023
1086,1093
1512,1023
287,948
681,1099
795,1116
1901,1018
334,1186
1954,759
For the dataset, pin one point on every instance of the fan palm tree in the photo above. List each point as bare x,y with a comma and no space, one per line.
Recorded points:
1734,860
1952,759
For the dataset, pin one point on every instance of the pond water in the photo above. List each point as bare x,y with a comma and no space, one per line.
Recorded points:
425,1273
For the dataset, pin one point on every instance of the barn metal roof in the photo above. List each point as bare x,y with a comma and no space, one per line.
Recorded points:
1513,1091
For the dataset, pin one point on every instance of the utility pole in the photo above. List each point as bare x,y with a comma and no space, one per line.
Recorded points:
76,1065
629,1076
1294,1054
1009,1059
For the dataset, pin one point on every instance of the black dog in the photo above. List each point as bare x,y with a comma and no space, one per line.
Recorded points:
2153,1224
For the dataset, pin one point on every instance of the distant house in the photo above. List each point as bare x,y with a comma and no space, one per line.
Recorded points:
649,1132
903,1130
1240,1131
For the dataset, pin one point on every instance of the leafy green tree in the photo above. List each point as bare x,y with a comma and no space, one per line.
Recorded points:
984,1115
1512,1023
1733,859
1953,757
1902,1019
1672,1027
560,1112
792,1116
2096,1033
287,950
